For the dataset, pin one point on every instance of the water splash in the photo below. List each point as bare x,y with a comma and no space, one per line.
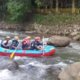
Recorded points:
5,74
36,69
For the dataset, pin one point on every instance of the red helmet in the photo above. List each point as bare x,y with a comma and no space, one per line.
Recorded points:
28,37
26,40
37,38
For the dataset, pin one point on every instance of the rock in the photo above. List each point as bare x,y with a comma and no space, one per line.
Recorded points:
76,38
54,71
30,32
59,41
8,64
72,72
74,33
13,66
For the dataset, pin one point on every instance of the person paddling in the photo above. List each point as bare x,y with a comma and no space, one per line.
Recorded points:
36,44
26,43
15,43
6,43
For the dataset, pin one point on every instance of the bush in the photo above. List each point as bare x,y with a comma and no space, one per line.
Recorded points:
17,9
57,19
3,9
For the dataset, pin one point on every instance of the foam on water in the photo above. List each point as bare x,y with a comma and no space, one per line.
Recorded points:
17,58
37,64
32,70
61,64
75,45
5,74
34,62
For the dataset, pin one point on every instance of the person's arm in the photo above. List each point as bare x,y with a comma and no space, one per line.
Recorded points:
5,42
27,46
17,44
39,47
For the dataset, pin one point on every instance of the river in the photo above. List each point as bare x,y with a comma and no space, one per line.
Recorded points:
44,68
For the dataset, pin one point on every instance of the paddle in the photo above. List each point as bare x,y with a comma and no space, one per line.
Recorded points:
43,45
43,50
13,53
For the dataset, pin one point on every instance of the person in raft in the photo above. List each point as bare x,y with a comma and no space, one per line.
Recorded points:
15,43
6,43
26,43
36,44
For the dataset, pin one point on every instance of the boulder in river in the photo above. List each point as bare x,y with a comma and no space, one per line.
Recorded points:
59,41
8,64
76,38
74,33
72,72
13,65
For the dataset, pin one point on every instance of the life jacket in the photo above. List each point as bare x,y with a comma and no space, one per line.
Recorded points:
5,44
14,44
26,44
34,44
26,41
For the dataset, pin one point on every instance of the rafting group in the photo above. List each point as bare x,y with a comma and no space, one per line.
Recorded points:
25,44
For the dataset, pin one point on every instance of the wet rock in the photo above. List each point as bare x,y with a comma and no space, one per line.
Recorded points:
30,32
72,72
54,71
8,64
74,33
76,38
59,41
13,66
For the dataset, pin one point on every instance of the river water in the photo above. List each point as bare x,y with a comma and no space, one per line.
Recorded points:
44,68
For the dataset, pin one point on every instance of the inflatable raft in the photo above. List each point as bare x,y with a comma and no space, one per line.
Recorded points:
48,51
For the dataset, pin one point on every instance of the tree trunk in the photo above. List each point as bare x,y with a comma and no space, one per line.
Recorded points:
56,6
73,6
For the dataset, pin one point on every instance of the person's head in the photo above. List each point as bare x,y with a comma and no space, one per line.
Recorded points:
37,39
7,37
28,37
16,37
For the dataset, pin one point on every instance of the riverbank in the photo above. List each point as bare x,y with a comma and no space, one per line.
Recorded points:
50,24
69,30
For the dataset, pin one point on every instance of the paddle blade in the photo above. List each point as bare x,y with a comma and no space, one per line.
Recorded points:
12,55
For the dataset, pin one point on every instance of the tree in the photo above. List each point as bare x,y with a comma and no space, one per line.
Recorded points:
38,3
18,8
3,8
44,3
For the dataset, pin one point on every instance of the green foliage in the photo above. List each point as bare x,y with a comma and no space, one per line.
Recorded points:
43,3
38,3
17,9
3,8
57,19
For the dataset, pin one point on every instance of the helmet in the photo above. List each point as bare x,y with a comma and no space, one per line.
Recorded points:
28,37
16,37
37,38
7,37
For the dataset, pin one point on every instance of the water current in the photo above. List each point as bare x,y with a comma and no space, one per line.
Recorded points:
43,68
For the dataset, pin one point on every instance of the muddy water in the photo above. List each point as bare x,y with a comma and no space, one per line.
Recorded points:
44,68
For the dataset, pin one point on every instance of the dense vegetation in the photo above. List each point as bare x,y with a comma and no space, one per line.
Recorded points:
17,10
14,10
57,19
